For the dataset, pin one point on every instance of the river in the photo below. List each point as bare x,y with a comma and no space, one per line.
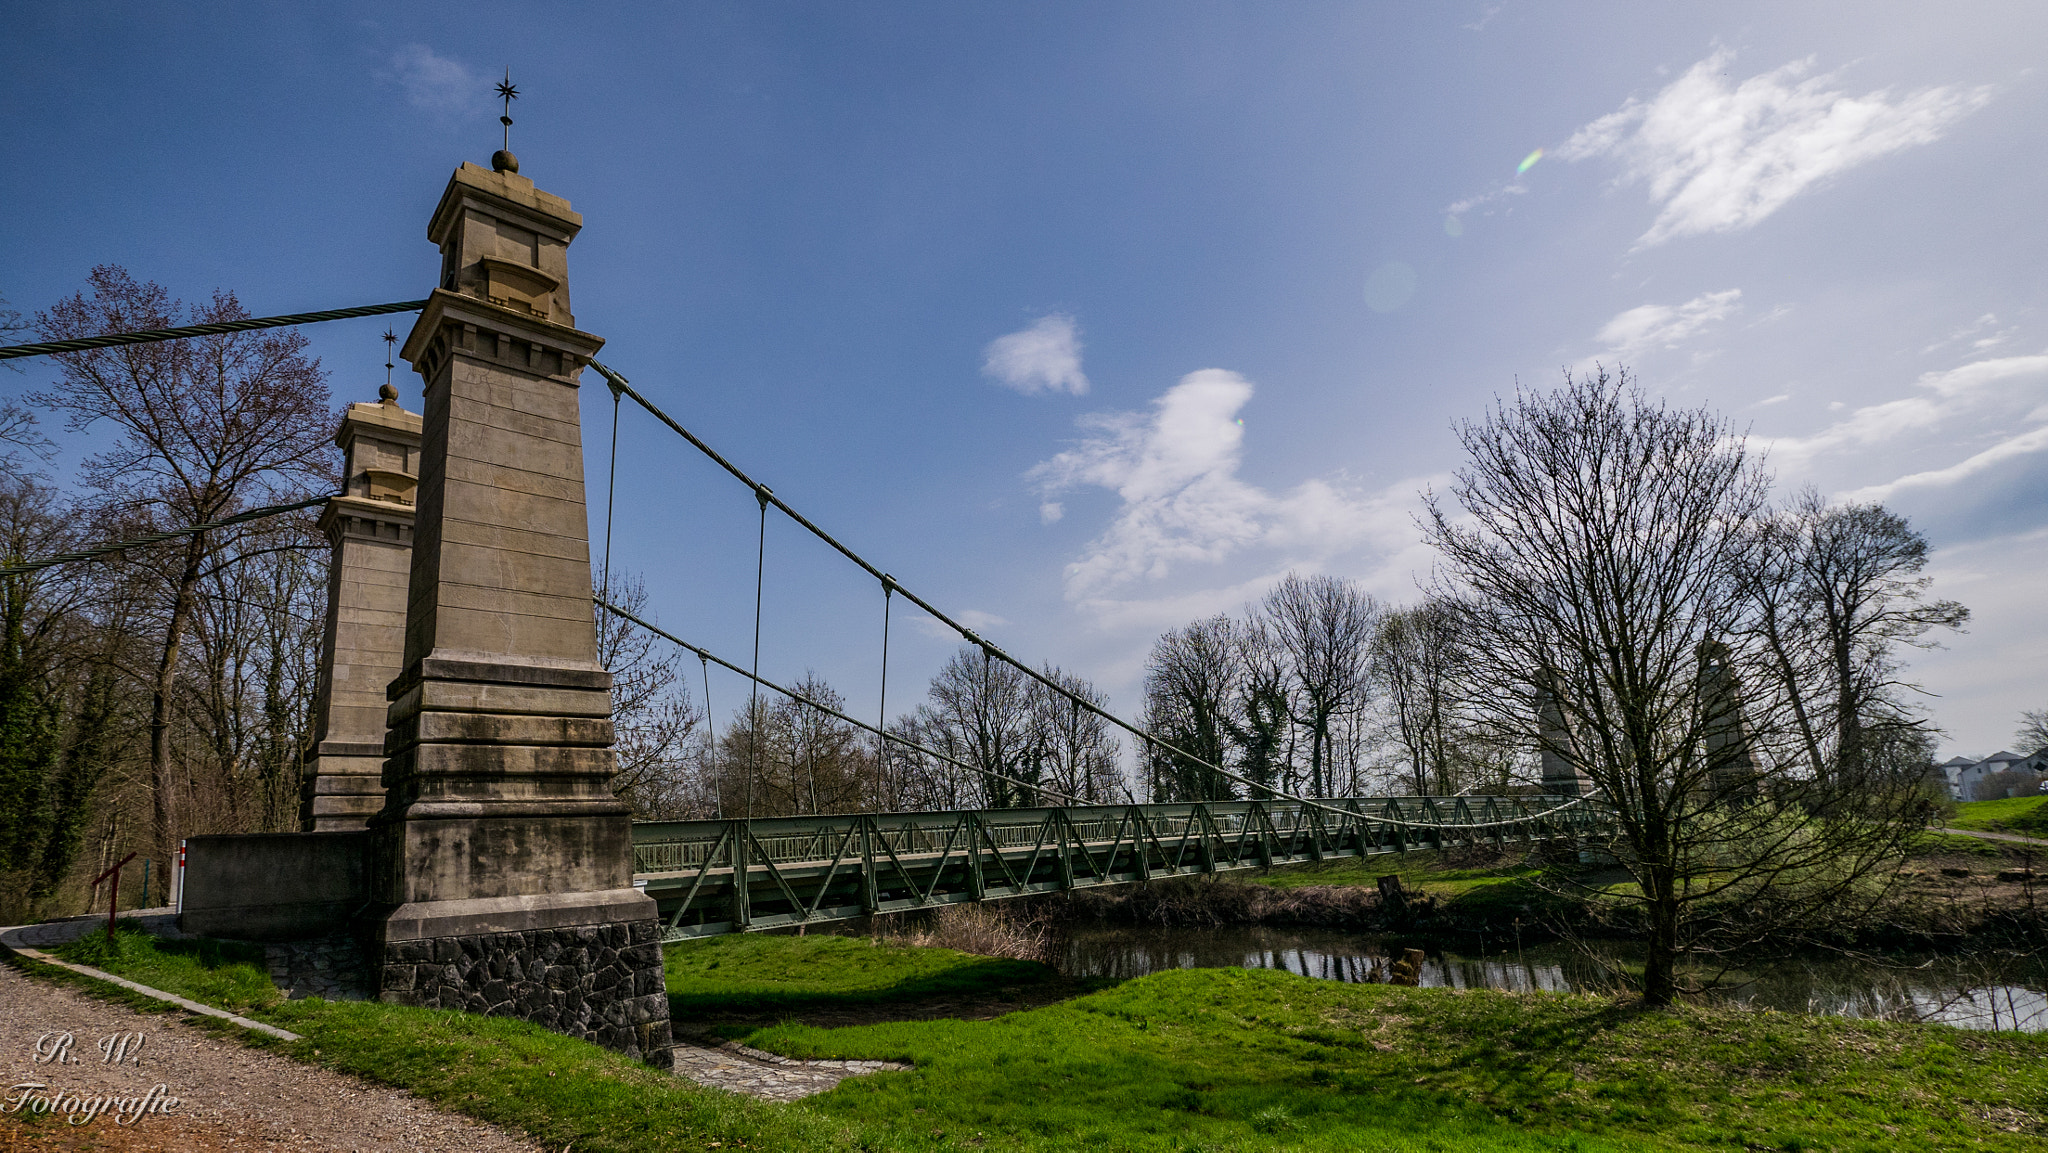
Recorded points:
2006,991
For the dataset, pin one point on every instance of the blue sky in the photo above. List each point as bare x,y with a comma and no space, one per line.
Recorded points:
987,289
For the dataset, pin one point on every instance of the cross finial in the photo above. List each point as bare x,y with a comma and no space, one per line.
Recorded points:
389,393
504,161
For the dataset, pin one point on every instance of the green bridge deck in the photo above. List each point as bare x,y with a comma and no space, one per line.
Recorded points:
727,876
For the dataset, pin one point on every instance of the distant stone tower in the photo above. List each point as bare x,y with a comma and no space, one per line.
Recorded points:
502,870
1731,763
1561,775
363,645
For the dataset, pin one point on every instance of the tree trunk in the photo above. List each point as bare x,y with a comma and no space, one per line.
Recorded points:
163,809
1848,718
1660,978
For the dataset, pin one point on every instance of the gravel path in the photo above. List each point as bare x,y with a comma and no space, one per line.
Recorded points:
1982,835
231,1097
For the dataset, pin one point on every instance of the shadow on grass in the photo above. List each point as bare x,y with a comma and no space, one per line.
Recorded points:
1513,1066
754,975
132,941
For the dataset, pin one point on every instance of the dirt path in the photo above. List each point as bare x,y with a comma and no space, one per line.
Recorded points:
1997,836
230,1097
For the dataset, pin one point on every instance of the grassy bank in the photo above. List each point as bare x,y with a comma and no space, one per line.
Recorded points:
1198,1059
2026,816
1229,1058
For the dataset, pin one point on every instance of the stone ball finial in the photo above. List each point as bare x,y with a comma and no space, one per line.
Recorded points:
504,161
388,394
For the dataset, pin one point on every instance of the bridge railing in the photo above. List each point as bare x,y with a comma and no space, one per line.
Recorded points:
732,875
668,846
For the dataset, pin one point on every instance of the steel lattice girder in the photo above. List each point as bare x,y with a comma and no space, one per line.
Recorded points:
799,870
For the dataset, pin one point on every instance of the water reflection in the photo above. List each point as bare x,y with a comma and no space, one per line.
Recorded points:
2006,992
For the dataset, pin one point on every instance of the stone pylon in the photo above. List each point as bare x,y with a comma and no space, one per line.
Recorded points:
1561,774
501,869
363,645
1731,762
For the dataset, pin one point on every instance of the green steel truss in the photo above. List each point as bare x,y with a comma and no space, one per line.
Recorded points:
711,877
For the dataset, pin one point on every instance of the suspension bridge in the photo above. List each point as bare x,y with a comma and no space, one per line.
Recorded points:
460,807
752,874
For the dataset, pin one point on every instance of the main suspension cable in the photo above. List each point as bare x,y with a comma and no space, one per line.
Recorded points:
159,537
84,342
709,657
989,648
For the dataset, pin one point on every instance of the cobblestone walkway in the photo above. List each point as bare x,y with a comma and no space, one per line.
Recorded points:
738,1069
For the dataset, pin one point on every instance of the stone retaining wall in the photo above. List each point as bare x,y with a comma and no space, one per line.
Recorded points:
601,983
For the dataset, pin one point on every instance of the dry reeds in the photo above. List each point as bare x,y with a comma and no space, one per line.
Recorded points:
1018,931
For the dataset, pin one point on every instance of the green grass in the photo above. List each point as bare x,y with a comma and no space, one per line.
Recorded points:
1229,1058
1500,893
2026,816
1422,869
1219,1059
750,972
224,974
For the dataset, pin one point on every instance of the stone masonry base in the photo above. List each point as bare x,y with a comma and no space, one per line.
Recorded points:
600,983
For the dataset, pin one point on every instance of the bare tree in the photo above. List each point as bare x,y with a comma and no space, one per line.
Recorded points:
1324,624
1604,551
243,713
1193,681
654,718
1416,654
1841,590
786,757
978,711
2033,731
1262,722
201,428
1077,752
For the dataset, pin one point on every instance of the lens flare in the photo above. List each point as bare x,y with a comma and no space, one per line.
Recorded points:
1528,162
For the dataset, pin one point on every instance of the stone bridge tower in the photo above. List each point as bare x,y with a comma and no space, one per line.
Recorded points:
363,645
1561,774
501,872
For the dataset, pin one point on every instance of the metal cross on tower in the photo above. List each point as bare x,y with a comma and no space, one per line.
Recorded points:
503,160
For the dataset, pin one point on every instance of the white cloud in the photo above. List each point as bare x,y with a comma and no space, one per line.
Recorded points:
1652,326
1043,358
1771,400
1998,391
1485,17
437,84
1461,207
1718,158
1175,470
1966,332
1998,454
1990,412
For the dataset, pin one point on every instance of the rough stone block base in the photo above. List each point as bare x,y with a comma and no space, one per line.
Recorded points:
602,983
